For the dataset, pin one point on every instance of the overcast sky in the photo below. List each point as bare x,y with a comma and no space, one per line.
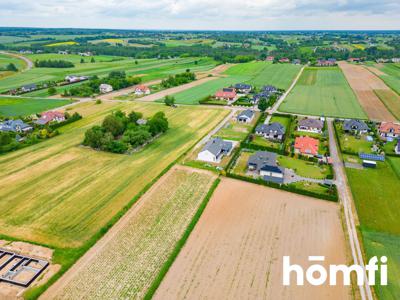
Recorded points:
203,14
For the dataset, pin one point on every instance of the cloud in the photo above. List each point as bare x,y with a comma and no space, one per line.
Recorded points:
202,14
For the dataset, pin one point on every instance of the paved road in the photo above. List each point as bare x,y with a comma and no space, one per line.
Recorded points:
347,200
29,63
281,99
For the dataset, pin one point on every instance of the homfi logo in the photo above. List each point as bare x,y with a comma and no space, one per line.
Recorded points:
317,274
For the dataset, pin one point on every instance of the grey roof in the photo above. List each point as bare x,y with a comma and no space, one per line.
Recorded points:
246,113
228,89
11,125
279,180
141,122
261,159
349,125
218,145
243,86
311,123
275,127
269,88
29,86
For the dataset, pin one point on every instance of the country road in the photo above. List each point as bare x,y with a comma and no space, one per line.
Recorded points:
346,199
29,63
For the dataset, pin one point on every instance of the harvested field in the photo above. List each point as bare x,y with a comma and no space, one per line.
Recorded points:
364,82
236,248
124,263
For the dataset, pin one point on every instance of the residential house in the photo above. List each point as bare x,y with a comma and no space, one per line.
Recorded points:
270,58
355,126
273,131
326,63
215,150
15,126
243,88
310,125
382,60
50,116
75,78
389,130
395,60
296,61
63,52
397,147
284,60
354,59
245,116
28,88
307,146
226,94
105,88
141,90
269,89
264,164
141,122
257,97
85,53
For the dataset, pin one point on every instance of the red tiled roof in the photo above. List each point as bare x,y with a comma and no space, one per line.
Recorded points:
51,115
225,94
306,145
390,127
142,87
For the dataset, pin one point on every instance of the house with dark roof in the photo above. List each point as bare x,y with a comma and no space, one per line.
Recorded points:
245,116
273,131
397,147
269,88
243,88
15,126
264,163
215,150
355,126
28,87
310,125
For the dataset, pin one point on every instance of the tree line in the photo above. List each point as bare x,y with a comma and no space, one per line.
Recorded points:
53,64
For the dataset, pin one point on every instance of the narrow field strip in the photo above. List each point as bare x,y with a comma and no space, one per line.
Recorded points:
124,263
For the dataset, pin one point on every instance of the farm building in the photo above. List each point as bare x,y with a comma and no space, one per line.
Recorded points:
273,131
389,130
141,90
245,116
243,88
75,78
369,163
306,146
105,88
355,126
226,94
15,126
310,125
264,163
50,116
215,150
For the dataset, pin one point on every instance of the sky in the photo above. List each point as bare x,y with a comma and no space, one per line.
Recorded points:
204,14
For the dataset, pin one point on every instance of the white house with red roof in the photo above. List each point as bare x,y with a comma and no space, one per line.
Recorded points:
141,89
389,130
305,145
226,94
50,116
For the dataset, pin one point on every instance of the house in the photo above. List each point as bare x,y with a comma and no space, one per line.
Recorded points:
397,147
85,53
306,146
270,58
215,150
382,60
29,87
105,88
354,59
395,60
75,78
296,61
141,90
355,126
50,116
310,125
272,131
243,88
389,130
264,163
245,116
63,52
141,122
15,126
284,60
326,63
226,94
269,89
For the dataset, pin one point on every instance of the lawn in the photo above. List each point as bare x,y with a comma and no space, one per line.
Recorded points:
132,259
323,91
352,144
62,194
236,131
6,59
305,168
21,106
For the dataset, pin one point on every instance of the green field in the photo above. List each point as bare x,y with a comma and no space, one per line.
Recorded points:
148,69
22,106
323,91
6,59
392,77
62,194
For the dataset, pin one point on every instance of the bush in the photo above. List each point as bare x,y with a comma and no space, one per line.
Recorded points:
53,64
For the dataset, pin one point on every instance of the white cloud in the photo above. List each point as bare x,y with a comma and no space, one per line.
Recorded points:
203,14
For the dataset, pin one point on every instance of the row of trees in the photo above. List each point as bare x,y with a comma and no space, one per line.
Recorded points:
178,79
53,64
117,79
120,133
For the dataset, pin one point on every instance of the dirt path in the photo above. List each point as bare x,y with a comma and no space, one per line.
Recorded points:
363,82
237,247
29,63
347,201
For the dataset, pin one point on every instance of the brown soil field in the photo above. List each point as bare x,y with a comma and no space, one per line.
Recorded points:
237,247
364,82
